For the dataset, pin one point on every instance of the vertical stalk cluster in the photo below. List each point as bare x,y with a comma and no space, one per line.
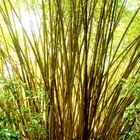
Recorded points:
69,71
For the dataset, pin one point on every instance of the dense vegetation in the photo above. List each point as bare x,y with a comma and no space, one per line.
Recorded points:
69,69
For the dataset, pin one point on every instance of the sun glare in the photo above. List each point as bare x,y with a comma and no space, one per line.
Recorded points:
27,20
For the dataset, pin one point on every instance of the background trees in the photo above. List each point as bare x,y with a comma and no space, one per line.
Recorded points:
69,69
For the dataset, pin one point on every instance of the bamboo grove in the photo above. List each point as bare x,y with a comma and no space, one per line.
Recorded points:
64,79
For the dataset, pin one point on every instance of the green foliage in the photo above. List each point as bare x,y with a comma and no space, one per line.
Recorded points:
131,117
14,111
8,134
